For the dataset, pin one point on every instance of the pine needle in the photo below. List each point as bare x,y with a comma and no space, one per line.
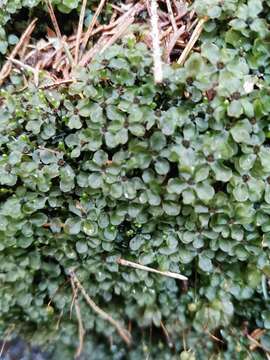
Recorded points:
79,32
92,24
195,36
170,11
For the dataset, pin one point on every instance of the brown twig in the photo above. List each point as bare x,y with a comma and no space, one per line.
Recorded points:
7,66
192,24
127,20
79,318
165,33
123,22
177,18
53,151
92,24
36,73
50,57
101,28
158,76
22,65
170,11
215,338
117,8
125,335
172,42
113,17
23,49
56,84
194,37
54,20
8,332
94,50
74,295
257,343
167,335
59,320
58,32
146,268
79,32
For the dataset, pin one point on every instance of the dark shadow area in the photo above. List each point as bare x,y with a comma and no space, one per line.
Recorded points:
17,349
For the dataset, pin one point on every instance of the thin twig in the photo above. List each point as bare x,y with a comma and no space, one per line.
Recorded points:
117,8
50,150
79,32
257,343
113,17
58,32
170,11
8,332
59,320
101,28
123,22
7,66
195,35
74,296
125,335
94,50
155,42
22,65
54,20
128,19
23,49
178,17
68,54
146,268
92,24
167,335
172,42
214,337
193,24
56,84
79,319
36,73
165,33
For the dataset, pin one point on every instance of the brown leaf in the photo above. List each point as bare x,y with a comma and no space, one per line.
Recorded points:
257,333
210,94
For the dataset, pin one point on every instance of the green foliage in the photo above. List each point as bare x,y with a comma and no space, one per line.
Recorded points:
175,176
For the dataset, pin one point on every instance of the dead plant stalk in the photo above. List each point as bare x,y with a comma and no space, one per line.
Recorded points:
155,42
146,268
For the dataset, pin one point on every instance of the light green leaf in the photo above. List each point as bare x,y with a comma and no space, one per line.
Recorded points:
240,192
204,191
235,109
176,186
205,264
